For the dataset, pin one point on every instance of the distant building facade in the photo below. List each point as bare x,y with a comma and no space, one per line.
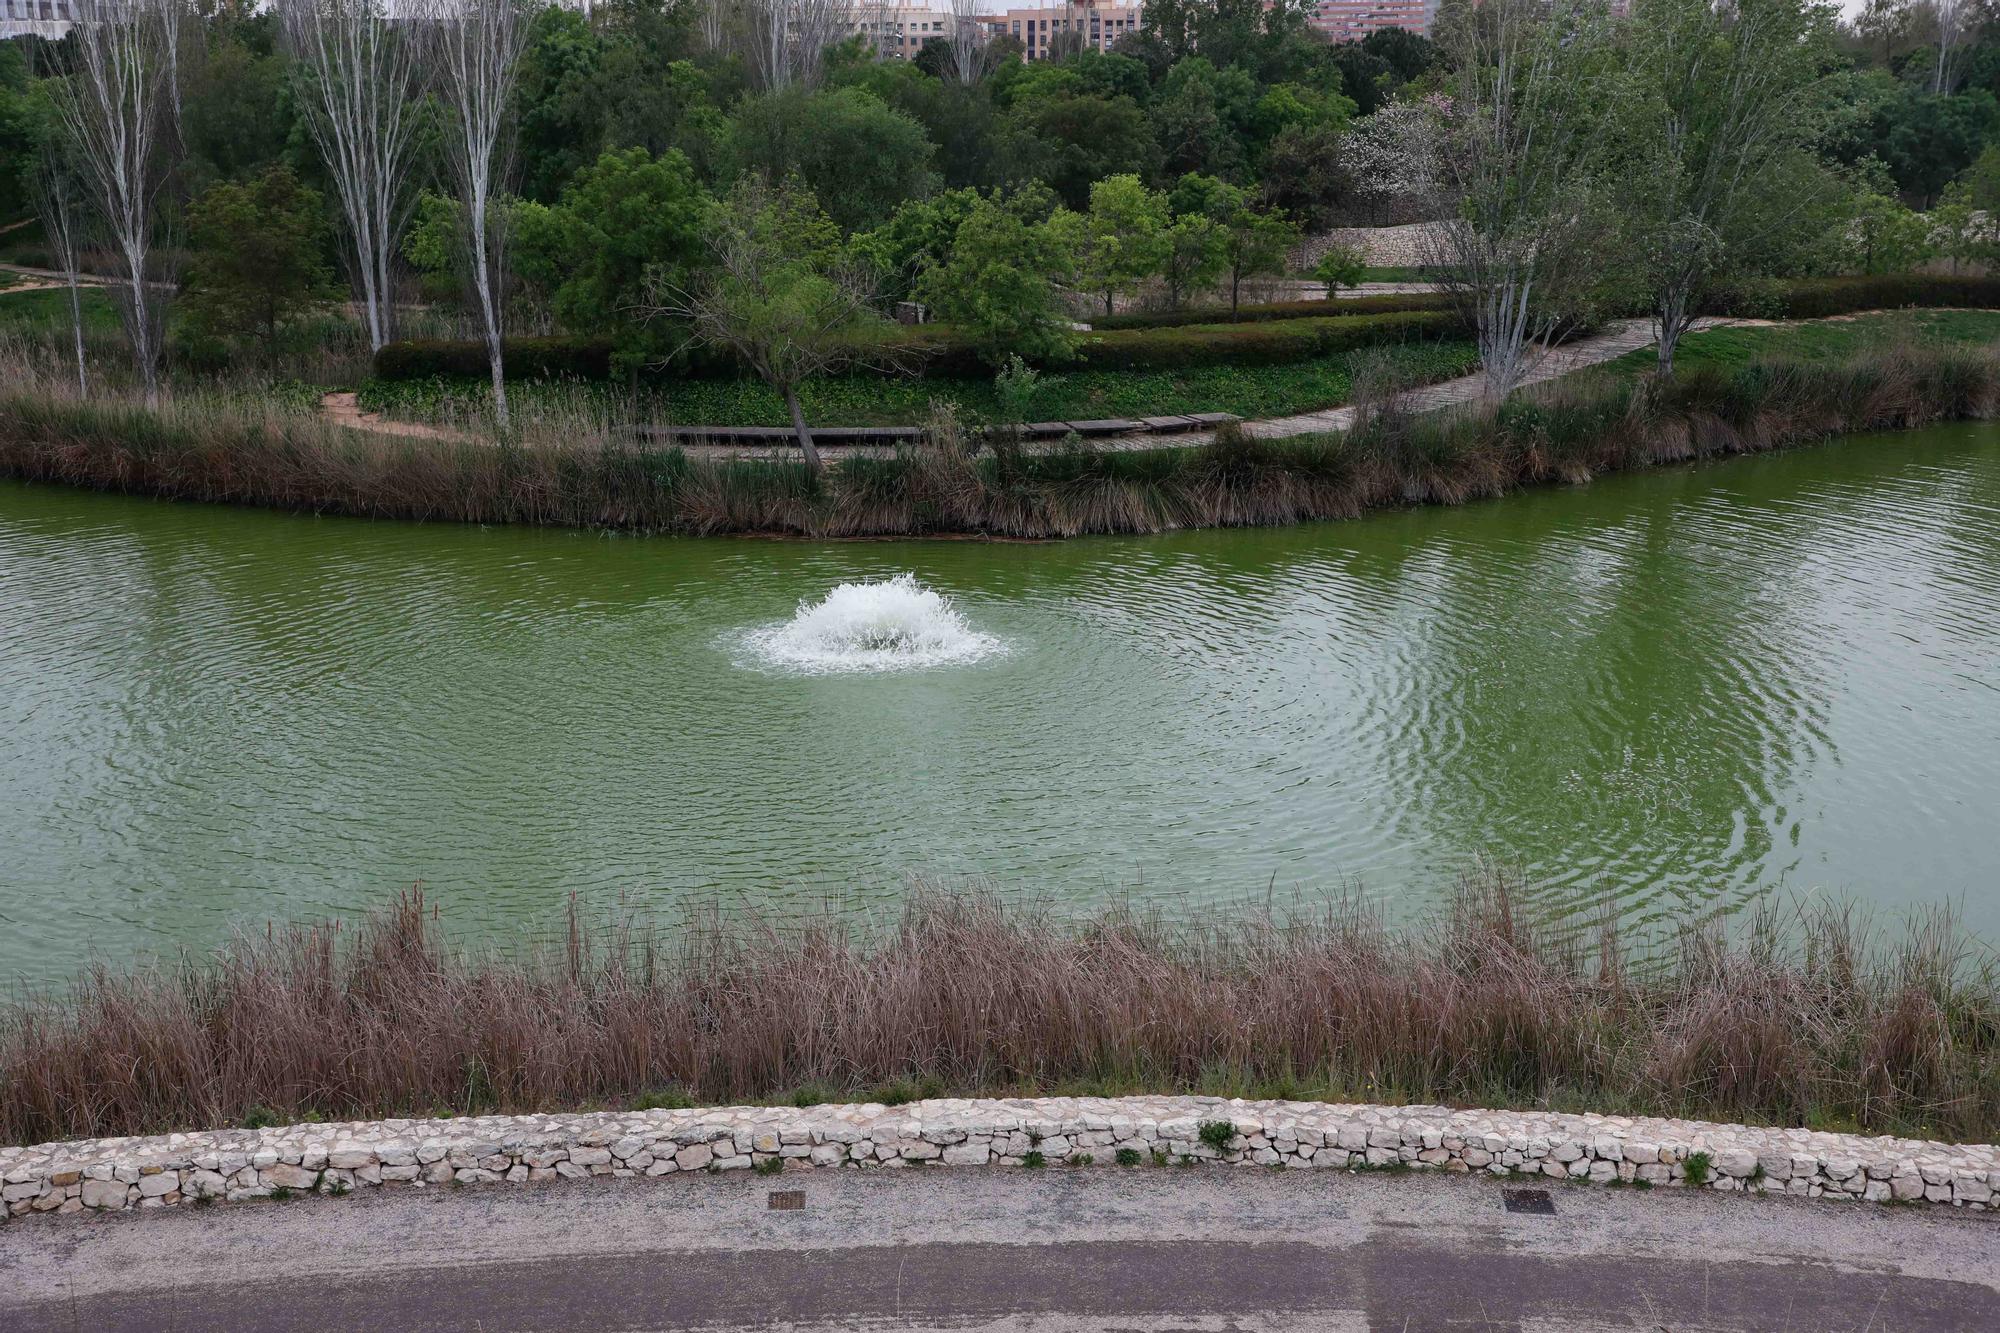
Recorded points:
1043,29
34,18
1351,20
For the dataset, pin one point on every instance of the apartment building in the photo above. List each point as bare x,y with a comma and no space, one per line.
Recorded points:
1351,20
34,18
1043,29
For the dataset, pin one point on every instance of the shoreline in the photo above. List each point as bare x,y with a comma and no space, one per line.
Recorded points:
1568,430
1055,1133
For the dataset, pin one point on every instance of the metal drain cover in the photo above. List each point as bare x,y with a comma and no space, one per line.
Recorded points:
1518,1201
792,1201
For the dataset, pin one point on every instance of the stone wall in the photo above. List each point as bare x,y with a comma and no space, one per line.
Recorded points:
1386,247
116,1174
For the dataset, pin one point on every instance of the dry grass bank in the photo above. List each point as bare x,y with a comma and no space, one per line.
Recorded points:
218,448
1804,1019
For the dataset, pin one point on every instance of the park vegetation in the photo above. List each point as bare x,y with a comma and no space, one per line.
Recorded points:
1799,1018
501,175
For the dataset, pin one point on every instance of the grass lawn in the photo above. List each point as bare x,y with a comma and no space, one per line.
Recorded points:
864,400
1823,340
47,311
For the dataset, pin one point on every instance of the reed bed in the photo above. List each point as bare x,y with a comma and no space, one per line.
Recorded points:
216,446
1795,1017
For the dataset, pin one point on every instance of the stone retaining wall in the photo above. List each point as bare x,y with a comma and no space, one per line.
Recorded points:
116,1174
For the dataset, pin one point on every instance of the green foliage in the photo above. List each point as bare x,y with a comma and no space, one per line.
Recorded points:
919,236
1342,265
769,1166
999,286
1070,142
1217,1134
1033,1159
663,1099
860,157
625,224
1127,1157
1886,236
1122,240
257,255
1696,1169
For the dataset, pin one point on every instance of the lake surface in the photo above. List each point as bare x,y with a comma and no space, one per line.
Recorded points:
1674,691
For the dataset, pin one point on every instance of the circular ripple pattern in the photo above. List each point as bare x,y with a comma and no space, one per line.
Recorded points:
1667,692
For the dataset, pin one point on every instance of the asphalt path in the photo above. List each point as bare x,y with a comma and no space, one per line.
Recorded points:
993,1249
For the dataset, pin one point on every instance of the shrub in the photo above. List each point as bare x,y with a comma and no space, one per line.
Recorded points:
1695,1170
1217,1134
945,354
1818,298
1387,304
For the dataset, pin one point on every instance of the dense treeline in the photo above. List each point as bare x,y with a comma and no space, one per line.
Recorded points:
668,179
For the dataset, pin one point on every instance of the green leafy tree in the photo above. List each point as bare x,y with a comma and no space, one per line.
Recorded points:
257,255
1194,256
1071,142
784,294
1341,266
1123,240
1710,101
917,238
629,222
1887,236
858,155
1255,241
1202,116
1002,284
559,100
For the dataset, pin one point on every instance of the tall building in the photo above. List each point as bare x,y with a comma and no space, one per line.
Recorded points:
899,28
34,18
1044,29
1351,20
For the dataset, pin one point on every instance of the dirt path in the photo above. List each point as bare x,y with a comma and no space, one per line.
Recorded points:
341,409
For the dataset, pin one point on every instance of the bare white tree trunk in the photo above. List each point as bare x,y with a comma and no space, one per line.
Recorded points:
969,49
357,80
115,105
477,48
1510,180
786,40
1950,18
55,204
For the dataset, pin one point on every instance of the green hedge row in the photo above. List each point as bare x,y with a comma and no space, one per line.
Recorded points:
1817,298
1386,304
947,355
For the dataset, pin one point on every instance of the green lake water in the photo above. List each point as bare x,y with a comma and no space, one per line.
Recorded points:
1672,691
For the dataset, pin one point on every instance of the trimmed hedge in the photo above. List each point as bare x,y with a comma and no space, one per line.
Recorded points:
525,359
1386,304
948,355
1817,298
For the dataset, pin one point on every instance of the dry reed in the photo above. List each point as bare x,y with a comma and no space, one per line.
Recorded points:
1799,1020
213,446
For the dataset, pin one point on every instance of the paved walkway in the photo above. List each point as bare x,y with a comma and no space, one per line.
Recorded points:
1012,1250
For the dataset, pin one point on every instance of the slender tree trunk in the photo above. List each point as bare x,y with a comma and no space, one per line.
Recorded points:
76,327
1235,286
1671,320
814,464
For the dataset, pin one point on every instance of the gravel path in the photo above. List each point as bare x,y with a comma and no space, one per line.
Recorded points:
1019,1251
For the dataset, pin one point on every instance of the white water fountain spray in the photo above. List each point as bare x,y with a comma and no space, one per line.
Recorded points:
890,625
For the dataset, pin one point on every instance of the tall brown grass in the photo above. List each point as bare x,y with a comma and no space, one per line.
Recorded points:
215,446
1800,1018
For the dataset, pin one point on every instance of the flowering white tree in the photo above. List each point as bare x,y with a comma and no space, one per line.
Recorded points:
357,79
116,108
476,49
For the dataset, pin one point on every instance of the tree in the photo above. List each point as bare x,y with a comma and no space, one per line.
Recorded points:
1342,265
917,238
784,294
1507,165
1194,256
1254,241
1002,282
1123,240
967,43
628,222
1200,115
859,156
1887,237
786,40
55,188
560,106
1070,142
117,108
1712,101
476,47
355,78
257,255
